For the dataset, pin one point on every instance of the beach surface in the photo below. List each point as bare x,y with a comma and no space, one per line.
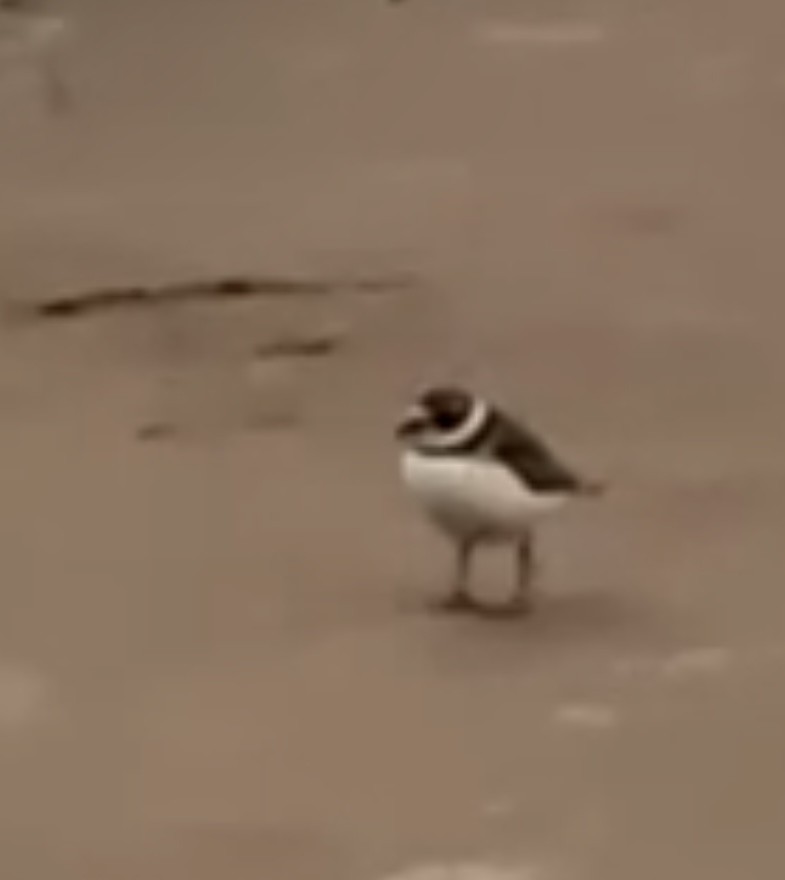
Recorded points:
215,655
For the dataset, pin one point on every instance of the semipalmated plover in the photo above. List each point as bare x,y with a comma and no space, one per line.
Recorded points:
483,478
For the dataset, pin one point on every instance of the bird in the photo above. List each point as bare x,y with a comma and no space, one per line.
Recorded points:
484,478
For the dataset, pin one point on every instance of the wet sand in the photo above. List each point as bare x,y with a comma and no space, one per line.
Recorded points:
215,660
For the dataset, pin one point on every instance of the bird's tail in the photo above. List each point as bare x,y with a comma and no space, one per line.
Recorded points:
592,488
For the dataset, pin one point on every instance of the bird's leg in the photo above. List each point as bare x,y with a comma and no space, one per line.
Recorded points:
459,598
521,602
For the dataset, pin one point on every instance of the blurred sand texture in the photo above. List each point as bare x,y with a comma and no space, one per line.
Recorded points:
214,659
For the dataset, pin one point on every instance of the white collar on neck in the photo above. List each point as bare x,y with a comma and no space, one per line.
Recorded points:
463,433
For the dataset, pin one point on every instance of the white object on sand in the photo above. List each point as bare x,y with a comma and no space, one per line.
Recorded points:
550,34
467,871
30,40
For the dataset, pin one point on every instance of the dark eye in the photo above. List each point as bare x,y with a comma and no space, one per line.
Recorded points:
450,412
447,418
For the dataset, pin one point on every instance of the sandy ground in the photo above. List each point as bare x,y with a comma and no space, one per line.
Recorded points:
214,659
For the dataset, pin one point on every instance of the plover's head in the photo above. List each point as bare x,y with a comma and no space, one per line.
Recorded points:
442,419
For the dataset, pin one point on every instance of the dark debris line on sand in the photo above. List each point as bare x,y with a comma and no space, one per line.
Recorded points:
82,302
313,345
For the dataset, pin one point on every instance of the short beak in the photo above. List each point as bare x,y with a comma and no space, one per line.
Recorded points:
414,421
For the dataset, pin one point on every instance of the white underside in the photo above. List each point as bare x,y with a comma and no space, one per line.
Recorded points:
472,497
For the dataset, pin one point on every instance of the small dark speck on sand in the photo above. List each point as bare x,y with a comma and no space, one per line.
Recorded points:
305,346
155,431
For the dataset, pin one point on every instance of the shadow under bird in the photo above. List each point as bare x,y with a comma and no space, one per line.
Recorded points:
483,478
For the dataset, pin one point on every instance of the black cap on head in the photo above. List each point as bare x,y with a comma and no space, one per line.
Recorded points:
448,406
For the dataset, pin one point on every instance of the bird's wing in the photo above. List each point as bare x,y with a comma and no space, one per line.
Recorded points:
528,456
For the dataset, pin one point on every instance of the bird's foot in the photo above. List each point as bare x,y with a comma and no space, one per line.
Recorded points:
519,605
457,602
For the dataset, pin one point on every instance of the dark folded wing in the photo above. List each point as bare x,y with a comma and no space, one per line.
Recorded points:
522,451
